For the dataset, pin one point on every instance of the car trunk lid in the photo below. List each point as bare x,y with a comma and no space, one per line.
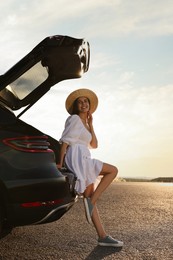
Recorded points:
54,59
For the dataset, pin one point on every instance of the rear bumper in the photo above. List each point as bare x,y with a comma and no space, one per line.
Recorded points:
21,216
29,190
57,213
38,201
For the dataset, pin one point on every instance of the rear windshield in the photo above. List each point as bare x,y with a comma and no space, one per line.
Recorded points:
29,81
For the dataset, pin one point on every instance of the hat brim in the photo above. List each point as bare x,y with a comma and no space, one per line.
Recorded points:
81,93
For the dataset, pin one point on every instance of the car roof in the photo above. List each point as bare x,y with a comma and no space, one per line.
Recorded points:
54,59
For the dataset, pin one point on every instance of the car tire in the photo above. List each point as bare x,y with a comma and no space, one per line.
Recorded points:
1,221
4,228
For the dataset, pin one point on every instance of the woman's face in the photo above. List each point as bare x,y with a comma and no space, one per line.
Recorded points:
83,104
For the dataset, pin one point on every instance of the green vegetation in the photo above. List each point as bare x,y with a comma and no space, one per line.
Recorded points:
136,180
163,179
159,179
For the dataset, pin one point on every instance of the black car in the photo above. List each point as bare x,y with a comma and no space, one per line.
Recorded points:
32,189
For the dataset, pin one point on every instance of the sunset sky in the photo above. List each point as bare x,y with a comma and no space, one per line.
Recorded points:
131,71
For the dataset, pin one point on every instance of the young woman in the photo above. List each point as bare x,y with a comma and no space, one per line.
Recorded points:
77,137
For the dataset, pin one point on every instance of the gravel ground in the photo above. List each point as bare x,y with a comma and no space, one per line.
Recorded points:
139,214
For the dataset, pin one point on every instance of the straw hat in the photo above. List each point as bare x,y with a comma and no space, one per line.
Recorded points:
83,92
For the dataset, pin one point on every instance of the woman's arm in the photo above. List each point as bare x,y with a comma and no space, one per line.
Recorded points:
94,142
62,154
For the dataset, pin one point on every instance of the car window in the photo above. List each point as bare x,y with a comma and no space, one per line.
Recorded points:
28,81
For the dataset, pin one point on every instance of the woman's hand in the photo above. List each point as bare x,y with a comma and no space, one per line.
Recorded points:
93,142
90,118
59,166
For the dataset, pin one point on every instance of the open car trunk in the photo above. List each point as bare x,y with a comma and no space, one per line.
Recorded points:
54,59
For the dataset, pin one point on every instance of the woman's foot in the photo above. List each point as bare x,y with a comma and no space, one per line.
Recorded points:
88,209
109,241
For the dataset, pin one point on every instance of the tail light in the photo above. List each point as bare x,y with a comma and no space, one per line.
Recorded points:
32,144
41,203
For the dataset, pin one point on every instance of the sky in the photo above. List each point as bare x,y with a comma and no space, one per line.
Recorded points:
131,71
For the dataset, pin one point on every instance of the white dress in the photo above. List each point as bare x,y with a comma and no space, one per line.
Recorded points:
78,157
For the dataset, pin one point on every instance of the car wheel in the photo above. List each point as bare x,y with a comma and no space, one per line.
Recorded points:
1,221
4,228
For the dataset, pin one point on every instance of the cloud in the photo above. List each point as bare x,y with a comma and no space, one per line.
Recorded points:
135,122
126,77
25,23
136,18
101,60
135,118
98,18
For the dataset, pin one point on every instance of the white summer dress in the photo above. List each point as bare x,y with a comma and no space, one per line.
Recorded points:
78,157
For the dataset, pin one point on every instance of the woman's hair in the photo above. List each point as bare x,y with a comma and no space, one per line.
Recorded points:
75,107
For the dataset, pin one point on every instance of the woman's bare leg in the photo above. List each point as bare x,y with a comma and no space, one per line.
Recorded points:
97,223
95,216
109,172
